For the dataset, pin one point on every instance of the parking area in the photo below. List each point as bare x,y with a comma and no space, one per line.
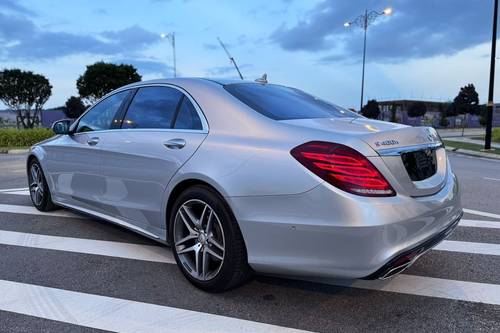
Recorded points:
62,271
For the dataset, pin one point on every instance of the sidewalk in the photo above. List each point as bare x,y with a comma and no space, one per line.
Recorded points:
469,140
457,132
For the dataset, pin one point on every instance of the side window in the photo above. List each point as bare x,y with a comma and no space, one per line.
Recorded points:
101,116
187,118
152,107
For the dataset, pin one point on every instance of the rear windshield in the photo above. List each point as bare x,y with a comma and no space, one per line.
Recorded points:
283,103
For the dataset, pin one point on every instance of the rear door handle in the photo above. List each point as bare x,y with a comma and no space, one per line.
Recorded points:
175,143
93,141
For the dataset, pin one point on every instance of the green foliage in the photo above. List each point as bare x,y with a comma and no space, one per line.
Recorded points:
371,109
24,92
11,137
467,100
417,109
102,78
496,134
74,107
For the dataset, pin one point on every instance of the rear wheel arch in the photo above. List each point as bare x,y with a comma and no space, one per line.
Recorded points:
181,187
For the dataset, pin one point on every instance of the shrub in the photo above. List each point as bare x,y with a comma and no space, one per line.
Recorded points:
496,134
11,137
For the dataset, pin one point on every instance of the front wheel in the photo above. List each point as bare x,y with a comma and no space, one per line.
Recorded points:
39,190
207,242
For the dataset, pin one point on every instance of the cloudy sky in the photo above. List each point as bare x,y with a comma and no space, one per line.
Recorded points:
426,50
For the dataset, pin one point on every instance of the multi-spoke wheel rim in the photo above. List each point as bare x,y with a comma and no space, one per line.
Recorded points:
199,239
36,184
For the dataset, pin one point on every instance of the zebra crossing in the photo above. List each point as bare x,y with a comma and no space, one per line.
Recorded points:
67,268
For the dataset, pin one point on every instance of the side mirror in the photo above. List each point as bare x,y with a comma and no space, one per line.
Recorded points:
61,126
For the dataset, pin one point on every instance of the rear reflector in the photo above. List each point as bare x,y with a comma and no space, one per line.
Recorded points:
343,167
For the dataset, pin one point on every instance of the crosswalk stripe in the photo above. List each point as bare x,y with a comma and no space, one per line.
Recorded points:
469,247
480,213
163,254
88,246
119,315
13,189
21,192
427,286
19,209
467,291
480,224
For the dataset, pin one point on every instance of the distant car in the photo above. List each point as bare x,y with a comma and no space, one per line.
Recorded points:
241,176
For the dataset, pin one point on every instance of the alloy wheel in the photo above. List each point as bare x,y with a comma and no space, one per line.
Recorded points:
36,185
199,239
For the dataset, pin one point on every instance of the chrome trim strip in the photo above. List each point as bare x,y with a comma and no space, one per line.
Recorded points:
204,122
408,149
109,218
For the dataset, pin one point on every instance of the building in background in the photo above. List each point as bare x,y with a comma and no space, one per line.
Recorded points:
45,119
433,115
49,116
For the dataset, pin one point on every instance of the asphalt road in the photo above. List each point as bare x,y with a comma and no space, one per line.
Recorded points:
68,273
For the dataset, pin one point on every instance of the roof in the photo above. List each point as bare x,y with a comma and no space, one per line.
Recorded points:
187,79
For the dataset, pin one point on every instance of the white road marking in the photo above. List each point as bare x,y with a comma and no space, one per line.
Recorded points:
480,213
479,224
20,192
469,247
489,178
452,246
14,189
115,314
19,209
428,286
88,246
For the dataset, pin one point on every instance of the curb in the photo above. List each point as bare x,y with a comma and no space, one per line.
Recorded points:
14,151
473,153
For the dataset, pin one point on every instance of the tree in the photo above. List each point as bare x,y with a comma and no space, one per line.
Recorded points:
467,100
102,78
417,109
26,93
371,109
74,107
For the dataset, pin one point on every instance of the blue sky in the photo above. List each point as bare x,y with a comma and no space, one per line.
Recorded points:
426,50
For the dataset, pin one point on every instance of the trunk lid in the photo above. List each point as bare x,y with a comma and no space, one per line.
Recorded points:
414,156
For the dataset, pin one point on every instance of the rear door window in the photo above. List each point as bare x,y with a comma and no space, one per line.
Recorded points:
152,107
283,103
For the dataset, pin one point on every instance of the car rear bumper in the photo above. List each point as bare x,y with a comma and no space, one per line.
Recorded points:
328,233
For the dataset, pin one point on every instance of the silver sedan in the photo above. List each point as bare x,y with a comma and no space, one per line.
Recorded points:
241,177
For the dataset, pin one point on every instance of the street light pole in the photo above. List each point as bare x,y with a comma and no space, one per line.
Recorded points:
489,117
364,21
365,28
171,37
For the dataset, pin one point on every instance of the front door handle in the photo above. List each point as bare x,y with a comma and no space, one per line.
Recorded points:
93,141
175,143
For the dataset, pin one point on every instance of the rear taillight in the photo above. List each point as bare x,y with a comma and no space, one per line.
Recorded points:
343,167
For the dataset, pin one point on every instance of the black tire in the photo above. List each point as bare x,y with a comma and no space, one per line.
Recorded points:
235,269
44,204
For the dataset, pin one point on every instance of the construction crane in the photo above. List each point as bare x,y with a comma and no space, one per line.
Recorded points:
230,58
